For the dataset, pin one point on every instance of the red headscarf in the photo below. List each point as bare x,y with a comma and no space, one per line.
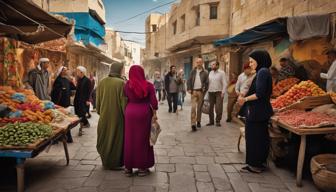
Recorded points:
137,81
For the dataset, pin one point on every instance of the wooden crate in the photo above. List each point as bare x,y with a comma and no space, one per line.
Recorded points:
56,132
310,102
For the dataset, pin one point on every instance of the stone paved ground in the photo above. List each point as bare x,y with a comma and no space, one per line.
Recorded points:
204,161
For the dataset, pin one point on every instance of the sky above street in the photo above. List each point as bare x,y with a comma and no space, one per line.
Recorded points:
119,10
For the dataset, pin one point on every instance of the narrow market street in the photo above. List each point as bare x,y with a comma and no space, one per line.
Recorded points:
204,161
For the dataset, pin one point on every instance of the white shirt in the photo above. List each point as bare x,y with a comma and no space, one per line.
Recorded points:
331,77
240,83
217,81
198,82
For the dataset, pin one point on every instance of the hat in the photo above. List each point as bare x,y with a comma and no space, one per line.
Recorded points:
331,51
116,69
82,69
246,66
59,71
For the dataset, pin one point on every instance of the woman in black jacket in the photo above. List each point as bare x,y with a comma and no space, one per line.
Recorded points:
61,92
258,111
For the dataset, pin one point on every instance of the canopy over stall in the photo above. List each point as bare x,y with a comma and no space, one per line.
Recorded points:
269,30
25,21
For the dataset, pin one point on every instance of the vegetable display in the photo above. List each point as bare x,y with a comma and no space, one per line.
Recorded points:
296,93
21,134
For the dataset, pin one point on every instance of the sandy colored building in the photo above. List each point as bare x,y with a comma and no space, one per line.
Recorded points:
178,37
189,30
308,53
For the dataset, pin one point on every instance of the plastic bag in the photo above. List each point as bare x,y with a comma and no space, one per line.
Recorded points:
155,131
206,104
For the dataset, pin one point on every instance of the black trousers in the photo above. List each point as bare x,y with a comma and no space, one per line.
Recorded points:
172,101
216,102
257,143
158,91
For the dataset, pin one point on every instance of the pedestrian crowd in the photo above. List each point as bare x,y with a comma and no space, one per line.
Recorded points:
127,108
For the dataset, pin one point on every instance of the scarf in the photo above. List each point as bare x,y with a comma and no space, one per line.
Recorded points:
137,81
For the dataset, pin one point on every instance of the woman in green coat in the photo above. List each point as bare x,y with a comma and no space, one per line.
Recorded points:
111,103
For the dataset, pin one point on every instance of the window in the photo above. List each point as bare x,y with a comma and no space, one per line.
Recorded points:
175,27
213,11
154,28
198,16
183,23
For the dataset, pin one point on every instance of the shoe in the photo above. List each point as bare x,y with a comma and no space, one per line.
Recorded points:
128,172
199,124
228,120
210,124
86,125
193,128
89,116
80,133
248,169
94,110
143,173
169,111
218,125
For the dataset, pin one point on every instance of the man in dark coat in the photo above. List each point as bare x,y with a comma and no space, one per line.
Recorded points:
82,97
61,92
172,82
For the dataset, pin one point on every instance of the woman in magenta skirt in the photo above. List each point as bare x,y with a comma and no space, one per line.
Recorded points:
141,107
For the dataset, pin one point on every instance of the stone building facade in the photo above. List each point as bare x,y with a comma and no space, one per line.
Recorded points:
178,37
176,44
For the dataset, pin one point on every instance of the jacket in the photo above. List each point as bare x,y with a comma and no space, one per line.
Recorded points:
82,96
38,80
167,81
260,109
204,80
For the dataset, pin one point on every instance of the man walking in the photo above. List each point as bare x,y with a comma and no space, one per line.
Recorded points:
217,88
38,79
158,84
171,85
197,85
82,98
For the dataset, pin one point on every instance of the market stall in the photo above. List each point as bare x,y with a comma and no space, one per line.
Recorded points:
28,126
302,109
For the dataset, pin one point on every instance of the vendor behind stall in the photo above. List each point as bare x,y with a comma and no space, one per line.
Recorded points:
287,69
331,75
38,79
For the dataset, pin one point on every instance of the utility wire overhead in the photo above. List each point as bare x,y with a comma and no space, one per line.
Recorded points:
125,20
134,32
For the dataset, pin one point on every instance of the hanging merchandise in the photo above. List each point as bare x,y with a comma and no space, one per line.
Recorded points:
11,76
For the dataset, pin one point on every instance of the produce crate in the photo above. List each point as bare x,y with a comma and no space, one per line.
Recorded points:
56,132
309,103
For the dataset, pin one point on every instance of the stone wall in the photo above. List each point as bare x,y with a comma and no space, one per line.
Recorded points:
248,13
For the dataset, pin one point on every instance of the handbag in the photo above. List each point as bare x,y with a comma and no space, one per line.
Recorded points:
155,131
206,104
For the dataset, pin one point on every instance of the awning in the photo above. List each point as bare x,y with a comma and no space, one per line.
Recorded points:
260,33
25,21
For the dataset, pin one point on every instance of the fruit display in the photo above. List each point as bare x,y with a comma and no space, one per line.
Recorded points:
301,118
22,134
333,96
296,93
284,86
25,106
